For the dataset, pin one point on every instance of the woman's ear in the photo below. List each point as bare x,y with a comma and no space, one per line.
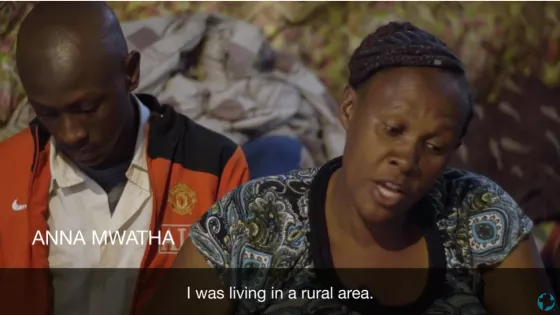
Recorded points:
347,106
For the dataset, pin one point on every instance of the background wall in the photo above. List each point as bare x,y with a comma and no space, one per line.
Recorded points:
511,51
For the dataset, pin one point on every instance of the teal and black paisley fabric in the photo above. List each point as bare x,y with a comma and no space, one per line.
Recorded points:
265,224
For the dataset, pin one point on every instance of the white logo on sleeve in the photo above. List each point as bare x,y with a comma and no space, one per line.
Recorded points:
17,207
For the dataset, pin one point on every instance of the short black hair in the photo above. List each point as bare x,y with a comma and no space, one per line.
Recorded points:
401,44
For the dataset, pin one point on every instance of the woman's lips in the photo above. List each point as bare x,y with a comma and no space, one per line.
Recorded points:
388,194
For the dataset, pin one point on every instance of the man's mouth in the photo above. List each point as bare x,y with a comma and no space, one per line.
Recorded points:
81,156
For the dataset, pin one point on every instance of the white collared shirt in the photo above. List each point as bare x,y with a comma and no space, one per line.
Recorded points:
78,205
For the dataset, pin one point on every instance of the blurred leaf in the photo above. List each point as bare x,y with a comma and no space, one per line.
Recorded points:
501,36
551,74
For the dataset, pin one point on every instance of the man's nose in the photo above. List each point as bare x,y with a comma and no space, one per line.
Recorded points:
72,132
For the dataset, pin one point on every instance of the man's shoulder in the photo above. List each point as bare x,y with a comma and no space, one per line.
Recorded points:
178,138
172,124
206,136
167,124
17,157
19,141
17,149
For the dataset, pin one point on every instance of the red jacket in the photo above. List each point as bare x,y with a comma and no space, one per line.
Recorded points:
189,166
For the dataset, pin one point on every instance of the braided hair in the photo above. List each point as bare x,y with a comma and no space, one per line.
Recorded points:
401,44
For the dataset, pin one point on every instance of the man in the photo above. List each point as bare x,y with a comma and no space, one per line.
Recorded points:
98,161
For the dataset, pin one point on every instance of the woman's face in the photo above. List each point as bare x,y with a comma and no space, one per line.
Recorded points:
402,127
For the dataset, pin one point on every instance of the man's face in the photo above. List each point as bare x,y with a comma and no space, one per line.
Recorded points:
86,110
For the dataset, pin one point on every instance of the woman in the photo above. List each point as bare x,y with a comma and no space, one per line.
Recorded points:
429,240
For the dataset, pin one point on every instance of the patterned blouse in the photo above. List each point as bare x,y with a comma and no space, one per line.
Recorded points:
278,225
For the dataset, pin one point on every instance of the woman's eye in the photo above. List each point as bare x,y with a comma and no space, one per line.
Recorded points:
90,107
434,148
394,131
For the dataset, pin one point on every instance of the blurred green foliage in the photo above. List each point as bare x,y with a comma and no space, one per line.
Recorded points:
496,40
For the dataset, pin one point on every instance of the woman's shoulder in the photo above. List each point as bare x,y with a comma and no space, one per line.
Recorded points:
284,187
258,220
473,193
478,211
459,186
